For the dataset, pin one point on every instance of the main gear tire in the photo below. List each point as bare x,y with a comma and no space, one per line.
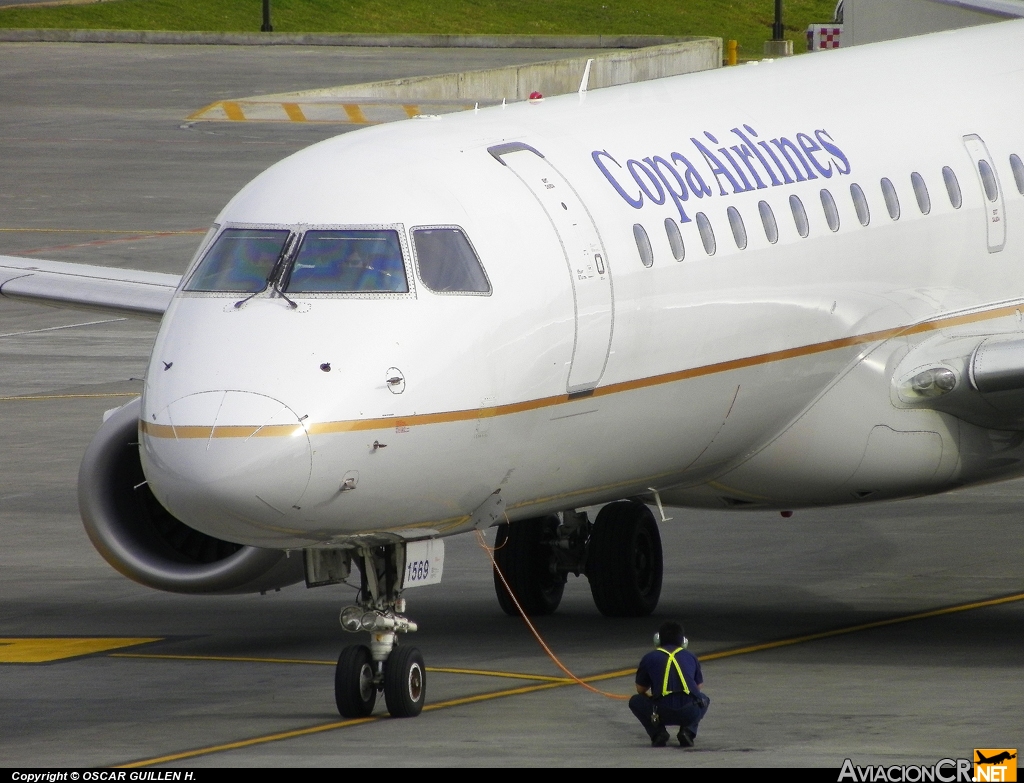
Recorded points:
354,690
405,682
526,561
624,560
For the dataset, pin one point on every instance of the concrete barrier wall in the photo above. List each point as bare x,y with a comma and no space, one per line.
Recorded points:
56,35
554,77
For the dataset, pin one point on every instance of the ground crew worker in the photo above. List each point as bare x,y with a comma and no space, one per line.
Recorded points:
668,688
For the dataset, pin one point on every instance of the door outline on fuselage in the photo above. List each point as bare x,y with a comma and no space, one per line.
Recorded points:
995,211
585,258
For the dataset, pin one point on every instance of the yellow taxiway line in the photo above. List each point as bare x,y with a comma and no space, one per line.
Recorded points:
246,659
553,682
37,649
69,396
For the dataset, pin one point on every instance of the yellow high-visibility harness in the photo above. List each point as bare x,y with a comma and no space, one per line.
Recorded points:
668,668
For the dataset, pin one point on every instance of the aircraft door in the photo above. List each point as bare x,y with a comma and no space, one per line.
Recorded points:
992,193
584,255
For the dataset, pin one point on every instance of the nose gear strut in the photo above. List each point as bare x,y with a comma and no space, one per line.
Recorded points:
363,670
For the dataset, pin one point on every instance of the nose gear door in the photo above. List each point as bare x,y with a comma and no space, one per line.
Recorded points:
584,255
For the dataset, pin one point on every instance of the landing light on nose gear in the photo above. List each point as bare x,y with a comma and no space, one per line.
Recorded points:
384,665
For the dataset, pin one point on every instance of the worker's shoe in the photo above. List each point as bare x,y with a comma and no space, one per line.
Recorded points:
685,738
660,739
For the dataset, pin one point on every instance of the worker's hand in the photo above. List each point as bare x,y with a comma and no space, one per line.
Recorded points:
641,689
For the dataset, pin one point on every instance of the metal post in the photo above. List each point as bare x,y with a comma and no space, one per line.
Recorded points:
777,31
269,28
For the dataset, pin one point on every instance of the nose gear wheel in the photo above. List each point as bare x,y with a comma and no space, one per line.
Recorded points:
354,689
405,683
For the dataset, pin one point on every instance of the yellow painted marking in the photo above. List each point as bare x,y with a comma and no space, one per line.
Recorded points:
337,725
246,659
294,112
96,231
411,110
229,658
44,650
233,111
813,637
562,683
198,115
333,427
492,673
355,114
69,396
187,754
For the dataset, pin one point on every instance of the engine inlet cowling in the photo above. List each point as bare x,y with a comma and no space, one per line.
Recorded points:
142,540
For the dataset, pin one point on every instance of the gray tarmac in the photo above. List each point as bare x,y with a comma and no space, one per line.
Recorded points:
93,142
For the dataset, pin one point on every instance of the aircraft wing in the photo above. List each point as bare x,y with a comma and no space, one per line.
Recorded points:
108,289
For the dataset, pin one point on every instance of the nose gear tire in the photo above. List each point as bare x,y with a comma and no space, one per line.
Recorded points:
405,682
525,559
624,560
354,689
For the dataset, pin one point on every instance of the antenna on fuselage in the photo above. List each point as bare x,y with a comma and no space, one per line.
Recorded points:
586,76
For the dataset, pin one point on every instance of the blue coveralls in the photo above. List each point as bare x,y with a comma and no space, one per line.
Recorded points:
673,677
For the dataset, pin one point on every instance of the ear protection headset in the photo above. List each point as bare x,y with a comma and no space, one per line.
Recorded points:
657,641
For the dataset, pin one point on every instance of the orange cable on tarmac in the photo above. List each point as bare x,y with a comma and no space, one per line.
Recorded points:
490,555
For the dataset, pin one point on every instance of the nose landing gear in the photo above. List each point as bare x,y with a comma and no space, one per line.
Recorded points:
385,666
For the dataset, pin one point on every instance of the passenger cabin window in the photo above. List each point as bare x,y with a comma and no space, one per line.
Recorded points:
831,210
707,234
771,228
892,202
447,262
1018,172
924,201
952,187
348,261
739,231
860,204
643,245
240,261
675,239
799,216
988,180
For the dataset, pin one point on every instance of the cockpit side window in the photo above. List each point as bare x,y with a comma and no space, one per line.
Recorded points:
240,261
447,262
348,261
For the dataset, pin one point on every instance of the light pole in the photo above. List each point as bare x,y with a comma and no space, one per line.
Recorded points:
778,46
269,28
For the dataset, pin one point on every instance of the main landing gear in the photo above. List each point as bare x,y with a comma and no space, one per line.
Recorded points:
620,552
397,670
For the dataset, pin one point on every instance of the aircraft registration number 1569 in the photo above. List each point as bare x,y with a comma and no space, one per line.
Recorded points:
424,562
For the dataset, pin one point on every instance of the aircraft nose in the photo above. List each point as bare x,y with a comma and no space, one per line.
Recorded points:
216,456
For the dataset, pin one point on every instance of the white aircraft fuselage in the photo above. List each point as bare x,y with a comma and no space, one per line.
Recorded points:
755,373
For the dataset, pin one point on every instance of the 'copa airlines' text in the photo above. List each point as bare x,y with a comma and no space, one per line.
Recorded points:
751,163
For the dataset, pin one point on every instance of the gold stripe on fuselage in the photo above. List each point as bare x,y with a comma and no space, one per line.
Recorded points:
356,425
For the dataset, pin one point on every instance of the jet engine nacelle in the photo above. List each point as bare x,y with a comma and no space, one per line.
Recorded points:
142,540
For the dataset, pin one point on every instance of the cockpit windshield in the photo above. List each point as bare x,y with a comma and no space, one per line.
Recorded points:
240,261
348,261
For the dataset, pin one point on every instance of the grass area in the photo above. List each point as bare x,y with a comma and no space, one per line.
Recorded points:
747,21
